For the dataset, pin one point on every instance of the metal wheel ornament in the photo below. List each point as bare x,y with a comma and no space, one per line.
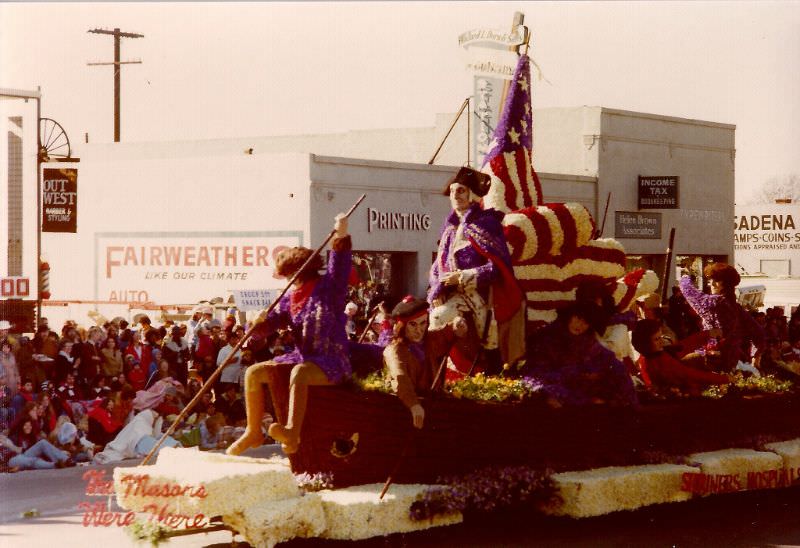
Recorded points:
53,140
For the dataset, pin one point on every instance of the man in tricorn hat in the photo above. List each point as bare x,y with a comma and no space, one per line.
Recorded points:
472,274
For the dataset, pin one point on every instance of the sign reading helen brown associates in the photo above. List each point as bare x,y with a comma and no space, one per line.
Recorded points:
635,225
659,192
60,200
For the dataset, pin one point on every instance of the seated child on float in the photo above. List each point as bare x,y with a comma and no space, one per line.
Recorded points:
661,370
571,364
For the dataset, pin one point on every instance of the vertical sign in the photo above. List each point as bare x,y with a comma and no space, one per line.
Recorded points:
493,65
60,200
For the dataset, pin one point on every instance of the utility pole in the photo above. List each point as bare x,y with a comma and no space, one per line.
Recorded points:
117,69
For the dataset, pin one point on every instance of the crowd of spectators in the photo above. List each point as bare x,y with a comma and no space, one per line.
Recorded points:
65,395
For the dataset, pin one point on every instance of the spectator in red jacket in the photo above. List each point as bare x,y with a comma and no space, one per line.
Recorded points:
141,352
661,370
102,426
134,373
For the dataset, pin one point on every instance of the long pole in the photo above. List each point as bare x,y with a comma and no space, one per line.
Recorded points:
605,213
117,79
441,144
38,209
369,322
665,277
215,375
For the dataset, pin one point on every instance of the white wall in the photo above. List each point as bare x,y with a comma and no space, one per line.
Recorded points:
701,153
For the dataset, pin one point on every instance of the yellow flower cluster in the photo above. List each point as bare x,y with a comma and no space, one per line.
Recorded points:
497,389
374,382
766,384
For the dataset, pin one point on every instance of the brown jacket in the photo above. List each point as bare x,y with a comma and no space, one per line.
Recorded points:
411,378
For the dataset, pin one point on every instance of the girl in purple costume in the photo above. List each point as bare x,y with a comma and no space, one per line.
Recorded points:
313,310
720,310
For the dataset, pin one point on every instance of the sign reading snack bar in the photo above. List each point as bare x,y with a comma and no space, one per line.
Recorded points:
254,299
60,200
638,226
186,267
658,192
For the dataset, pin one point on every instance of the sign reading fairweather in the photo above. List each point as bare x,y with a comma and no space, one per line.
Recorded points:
181,268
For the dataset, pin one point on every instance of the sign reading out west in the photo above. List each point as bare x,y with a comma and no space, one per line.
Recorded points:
658,192
59,200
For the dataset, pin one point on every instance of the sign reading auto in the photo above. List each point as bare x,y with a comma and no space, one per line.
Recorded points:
179,268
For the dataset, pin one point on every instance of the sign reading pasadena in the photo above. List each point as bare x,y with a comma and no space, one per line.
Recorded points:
185,267
774,230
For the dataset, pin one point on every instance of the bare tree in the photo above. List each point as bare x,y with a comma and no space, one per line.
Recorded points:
781,187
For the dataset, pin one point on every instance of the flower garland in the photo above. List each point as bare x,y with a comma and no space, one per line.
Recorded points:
147,531
311,483
497,389
766,384
374,382
484,490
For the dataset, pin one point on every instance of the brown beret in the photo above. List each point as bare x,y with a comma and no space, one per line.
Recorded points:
409,308
474,180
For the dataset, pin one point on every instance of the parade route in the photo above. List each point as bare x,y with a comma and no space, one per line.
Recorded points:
760,518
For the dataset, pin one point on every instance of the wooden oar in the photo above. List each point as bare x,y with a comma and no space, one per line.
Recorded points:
390,479
413,433
369,322
214,376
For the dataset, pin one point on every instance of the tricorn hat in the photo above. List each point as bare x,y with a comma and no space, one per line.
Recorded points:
474,180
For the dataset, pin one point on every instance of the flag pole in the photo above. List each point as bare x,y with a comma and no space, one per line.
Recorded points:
215,375
441,143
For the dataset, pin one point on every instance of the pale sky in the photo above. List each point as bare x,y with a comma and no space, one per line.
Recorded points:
251,69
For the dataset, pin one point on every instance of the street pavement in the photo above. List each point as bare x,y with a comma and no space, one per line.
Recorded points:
760,518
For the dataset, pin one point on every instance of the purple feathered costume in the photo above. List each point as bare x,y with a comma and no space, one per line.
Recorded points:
318,328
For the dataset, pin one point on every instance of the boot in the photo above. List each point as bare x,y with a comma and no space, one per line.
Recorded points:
254,404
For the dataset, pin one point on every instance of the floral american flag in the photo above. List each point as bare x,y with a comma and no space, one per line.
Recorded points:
552,246
515,184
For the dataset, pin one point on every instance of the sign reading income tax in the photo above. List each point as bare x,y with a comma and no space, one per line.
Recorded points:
658,192
60,200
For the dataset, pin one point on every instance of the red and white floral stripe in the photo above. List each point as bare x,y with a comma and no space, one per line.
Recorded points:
549,229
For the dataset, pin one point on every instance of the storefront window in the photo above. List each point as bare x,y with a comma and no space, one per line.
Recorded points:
381,276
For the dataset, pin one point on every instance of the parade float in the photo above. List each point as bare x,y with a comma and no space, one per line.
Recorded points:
362,470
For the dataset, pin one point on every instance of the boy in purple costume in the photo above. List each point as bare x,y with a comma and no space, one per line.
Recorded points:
721,310
473,258
313,310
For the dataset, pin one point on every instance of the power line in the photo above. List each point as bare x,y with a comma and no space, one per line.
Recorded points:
117,64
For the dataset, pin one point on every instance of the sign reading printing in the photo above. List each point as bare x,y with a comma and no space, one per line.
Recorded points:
634,225
181,268
254,299
59,200
658,192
